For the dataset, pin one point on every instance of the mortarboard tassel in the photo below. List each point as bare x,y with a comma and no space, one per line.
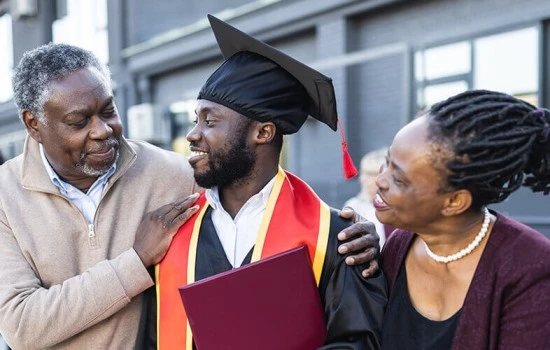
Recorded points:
349,168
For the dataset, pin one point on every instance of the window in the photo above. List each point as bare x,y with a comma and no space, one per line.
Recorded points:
506,62
83,23
6,63
445,61
438,92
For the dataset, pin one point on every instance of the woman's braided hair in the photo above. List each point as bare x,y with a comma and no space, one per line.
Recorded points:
500,143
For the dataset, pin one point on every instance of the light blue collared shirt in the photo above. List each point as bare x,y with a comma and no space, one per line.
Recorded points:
86,202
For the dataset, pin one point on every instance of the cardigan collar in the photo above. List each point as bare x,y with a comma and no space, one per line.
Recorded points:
35,177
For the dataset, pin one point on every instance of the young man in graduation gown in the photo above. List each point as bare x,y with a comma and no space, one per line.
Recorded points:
252,208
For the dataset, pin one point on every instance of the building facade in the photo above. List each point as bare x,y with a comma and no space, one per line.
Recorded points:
388,60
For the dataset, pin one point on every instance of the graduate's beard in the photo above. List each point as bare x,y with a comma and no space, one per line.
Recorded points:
230,166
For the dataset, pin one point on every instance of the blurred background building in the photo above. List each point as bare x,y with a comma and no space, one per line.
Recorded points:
388,59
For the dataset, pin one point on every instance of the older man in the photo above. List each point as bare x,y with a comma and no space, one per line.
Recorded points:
83,211
74,248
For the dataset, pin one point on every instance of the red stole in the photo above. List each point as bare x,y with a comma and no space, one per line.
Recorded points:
294,216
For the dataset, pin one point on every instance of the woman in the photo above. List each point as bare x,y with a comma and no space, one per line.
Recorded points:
461,276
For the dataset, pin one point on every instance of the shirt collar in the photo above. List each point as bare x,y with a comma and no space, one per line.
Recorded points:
213,195
64,186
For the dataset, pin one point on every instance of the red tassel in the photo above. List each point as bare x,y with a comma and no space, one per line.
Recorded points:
349,168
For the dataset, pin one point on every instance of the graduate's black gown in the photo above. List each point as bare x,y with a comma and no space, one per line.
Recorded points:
354,306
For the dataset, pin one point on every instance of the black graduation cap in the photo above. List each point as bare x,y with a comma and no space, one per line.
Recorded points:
256,78
264,84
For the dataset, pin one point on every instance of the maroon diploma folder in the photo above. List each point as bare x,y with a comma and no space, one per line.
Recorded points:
271,304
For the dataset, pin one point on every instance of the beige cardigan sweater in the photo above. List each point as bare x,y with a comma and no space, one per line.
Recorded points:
61,288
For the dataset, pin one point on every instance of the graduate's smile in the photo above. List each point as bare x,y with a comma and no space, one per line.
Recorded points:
196,155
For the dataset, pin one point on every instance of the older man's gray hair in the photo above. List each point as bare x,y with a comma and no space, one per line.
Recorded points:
38,67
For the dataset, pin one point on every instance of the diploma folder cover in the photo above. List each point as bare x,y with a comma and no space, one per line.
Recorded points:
271,304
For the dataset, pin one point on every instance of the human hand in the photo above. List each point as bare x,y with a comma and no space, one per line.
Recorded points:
365,244
156,230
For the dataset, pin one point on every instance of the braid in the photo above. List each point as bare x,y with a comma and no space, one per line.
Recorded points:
500,143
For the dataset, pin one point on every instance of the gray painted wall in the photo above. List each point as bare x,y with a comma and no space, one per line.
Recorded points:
183,84
145,19
434,21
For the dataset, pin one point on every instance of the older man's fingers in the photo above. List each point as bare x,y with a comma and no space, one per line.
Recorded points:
183,217
186,202
369,241
347,213
372,270
362,258
363,228
175,209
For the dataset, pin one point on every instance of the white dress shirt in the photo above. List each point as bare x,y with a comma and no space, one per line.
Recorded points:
85,202
238,236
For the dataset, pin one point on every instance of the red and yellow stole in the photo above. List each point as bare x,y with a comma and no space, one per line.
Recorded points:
294,216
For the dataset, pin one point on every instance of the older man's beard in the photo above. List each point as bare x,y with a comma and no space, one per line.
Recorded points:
230,166
91,172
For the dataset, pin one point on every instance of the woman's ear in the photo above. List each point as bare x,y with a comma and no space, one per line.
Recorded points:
32,124
457,202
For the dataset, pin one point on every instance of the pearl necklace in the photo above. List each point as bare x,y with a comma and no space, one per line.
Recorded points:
468,249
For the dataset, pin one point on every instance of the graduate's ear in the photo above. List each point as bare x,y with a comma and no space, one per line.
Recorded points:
32,124
457,202
265,132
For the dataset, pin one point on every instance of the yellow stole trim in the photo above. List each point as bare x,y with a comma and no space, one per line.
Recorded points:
322,242
271,201
192,258
157,288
